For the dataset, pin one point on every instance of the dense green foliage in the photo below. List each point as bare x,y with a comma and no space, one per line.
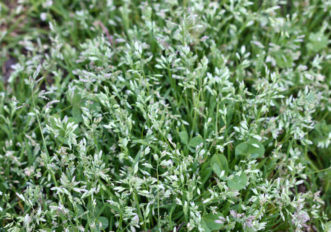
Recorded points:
170,115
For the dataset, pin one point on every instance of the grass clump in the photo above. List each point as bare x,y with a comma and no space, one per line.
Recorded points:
169,115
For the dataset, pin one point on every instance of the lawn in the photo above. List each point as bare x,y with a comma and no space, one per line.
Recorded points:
165,115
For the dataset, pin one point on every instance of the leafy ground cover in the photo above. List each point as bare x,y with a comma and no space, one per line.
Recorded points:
171,115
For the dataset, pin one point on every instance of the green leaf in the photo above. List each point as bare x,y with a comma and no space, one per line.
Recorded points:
205,171
197,140
76,111
238,182
104,222
251,149
317,42
209,224
219,163
183,137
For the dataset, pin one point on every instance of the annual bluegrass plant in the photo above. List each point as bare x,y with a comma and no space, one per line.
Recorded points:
172,115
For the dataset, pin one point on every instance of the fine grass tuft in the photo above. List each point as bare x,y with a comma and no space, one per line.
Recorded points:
170,115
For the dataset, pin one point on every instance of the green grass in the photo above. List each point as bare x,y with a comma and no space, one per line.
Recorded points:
165,115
